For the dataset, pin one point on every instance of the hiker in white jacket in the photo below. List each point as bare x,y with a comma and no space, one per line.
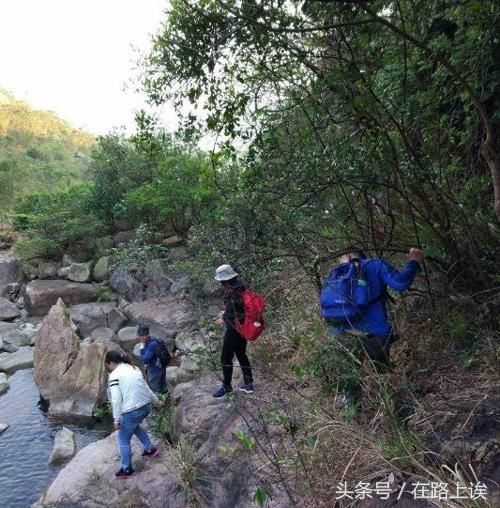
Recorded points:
131,399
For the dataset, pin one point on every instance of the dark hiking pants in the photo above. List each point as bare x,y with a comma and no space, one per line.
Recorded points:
157,380
350,350
234,344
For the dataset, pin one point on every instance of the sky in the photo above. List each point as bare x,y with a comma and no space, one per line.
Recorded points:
77,57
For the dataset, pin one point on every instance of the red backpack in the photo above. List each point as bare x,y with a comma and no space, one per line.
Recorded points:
253,325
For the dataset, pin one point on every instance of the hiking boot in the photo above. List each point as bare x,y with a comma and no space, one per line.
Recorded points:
124,473
222,391
152,453
246,388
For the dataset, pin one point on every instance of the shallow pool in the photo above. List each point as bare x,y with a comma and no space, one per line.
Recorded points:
25,446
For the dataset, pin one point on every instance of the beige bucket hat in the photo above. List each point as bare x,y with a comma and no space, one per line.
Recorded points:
225,272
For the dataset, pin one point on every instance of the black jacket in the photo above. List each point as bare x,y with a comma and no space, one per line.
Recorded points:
234,308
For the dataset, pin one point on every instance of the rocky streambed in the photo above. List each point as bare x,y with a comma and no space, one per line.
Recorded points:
53,337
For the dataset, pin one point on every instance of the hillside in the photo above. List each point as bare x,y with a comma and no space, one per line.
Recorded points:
38,150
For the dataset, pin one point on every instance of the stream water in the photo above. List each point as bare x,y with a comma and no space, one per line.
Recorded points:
26,445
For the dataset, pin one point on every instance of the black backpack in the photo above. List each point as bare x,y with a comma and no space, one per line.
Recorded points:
163,354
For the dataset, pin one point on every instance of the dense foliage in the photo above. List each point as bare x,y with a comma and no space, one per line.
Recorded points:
370,124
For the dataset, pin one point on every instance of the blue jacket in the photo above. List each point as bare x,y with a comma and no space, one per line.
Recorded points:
380,275
149,356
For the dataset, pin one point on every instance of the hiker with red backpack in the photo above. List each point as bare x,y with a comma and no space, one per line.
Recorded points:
242,318
353,302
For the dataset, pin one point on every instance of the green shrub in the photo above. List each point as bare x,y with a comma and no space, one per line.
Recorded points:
64,216
37,247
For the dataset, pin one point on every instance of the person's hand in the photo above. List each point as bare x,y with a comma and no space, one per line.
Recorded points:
116,425
160,405
415,255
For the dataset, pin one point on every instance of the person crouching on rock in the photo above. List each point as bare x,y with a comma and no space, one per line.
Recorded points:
131,399
234,343
150,356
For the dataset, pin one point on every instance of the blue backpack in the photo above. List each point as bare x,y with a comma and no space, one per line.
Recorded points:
345,294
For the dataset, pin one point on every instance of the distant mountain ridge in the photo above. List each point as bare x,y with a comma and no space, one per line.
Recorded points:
17,115
38,151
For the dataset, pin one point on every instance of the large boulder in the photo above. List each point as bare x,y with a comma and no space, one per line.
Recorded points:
41,295
88,316
8,311
204,426
165,316
80,272
101,269
89,480
20,359
70,375
123,282
64,446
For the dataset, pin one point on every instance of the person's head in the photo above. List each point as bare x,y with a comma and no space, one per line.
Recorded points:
225,274
143,333
113,359
351,256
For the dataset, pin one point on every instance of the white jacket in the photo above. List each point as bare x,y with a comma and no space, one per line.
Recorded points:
128,390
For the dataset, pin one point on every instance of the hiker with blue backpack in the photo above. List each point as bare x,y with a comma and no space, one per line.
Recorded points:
242,319
155,356
353,302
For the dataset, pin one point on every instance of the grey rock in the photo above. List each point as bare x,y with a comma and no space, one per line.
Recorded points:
165,316
122,282
190,342
7,347
175,375
181,284
17,334
10,271
107,334
88,480
21,359
67,260
101,269
88,316
63,272
64,447
127,337
8,311
80,272
4,383
41,295
47,270
189,364
20,302
103,245
3,427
